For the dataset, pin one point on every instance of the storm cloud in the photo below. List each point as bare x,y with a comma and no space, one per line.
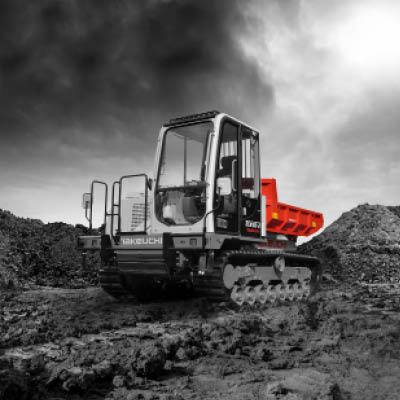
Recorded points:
86,84
88,62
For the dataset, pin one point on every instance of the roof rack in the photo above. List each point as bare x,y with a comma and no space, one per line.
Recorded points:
192,118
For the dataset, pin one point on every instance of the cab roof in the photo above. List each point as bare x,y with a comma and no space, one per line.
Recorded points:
204,116
192,117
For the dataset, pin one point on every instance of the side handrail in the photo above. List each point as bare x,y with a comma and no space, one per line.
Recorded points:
91,202
113,205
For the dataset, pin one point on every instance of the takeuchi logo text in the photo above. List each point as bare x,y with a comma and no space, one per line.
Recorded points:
143,241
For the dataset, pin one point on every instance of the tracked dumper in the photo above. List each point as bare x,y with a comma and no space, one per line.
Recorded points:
205,223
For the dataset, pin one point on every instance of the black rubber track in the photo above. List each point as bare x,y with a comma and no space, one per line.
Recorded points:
211,284
110,281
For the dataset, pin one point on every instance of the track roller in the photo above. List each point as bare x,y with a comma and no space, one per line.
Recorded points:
306,289
281,292
249,295
272,294
290,292
261,294
237,295
250,277
298,291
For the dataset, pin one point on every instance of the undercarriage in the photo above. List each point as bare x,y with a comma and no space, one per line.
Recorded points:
250,277
238,276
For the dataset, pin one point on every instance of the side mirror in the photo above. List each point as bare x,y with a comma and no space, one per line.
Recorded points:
86,200
224,186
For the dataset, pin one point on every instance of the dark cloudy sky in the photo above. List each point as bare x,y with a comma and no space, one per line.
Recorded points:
86,84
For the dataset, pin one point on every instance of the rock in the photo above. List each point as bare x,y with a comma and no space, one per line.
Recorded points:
119,381
77,378
326,343
171,343
305,385
150,359
102,369
181,354
262,353
26,361
279,363
326,277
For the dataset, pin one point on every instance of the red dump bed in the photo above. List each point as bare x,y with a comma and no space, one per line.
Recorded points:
286,219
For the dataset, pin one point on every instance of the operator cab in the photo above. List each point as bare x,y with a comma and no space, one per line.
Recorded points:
207,175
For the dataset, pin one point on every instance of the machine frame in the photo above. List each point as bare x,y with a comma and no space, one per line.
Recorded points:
201,255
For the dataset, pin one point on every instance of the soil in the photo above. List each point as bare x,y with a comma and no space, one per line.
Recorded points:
61,337
83,344
362,245
36,254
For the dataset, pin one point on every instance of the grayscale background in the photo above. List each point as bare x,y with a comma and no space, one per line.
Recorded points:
86,85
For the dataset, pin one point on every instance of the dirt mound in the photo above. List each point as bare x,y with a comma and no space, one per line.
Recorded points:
32,252
363,244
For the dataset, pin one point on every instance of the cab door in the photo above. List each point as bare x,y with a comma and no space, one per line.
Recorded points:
227,168
249,183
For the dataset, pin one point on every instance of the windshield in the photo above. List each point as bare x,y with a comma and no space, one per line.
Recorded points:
181,186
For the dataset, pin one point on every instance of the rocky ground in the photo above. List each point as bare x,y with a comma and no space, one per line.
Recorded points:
61,337
82,344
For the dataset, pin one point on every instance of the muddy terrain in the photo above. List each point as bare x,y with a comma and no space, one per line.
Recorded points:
61,337
82,344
